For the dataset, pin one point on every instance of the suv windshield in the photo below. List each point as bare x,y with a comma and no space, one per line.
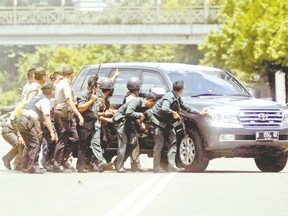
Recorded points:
206,83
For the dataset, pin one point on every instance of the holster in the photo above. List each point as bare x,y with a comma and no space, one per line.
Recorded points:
157,122
65,114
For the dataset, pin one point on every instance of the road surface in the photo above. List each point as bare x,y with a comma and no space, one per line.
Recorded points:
229,187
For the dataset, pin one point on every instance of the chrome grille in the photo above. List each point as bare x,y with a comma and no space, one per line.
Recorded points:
261,117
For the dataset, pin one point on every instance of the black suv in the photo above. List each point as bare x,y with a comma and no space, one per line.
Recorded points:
239,124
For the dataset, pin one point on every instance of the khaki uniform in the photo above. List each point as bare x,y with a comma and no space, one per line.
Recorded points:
65,124
30,127
10,134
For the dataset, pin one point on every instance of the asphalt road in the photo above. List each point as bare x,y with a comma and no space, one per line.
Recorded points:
229,187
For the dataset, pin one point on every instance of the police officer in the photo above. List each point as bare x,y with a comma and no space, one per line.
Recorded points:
30,80
88,108
65,122
162,116
104,118
134,85
11,134
126,119
35,87
29,125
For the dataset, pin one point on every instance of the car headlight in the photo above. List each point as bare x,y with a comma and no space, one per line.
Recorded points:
285,117
225,114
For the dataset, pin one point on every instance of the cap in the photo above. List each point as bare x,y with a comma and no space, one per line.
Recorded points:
47,86
68,70
40,71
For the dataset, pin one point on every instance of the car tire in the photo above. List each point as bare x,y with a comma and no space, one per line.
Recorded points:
271,164
191,154
108,157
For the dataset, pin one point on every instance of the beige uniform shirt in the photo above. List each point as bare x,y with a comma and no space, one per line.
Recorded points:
33,90
63,91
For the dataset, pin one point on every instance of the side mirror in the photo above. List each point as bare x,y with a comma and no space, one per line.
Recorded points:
251,91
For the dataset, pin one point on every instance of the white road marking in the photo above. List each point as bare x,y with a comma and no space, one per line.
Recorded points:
122,206
141,204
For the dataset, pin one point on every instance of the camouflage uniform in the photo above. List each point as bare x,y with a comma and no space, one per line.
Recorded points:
127,134
162,119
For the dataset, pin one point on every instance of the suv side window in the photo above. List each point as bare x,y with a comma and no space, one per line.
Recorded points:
152,79
102,73
78,81
120,88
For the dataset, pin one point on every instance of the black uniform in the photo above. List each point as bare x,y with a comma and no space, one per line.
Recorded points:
161,118
87,130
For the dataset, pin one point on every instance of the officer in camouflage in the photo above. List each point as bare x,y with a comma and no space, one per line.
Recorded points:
134,85
104,117
88,108
162,116
126,119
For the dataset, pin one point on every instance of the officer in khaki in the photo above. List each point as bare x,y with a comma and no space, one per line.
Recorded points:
11,134
30,125
65,125
126,119
162,116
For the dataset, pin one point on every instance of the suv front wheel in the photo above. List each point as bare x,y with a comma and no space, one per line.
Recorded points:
191,154
271,164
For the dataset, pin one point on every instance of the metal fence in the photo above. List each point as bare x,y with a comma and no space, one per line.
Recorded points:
112,15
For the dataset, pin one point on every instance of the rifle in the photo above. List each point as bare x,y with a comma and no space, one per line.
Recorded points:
95,82
180,121
97,73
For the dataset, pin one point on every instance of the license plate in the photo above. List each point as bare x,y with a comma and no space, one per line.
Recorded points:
267,135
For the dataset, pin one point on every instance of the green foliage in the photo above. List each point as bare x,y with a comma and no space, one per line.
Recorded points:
9,97
252,40
54,58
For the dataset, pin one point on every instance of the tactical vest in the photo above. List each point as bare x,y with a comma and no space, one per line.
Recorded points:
31,105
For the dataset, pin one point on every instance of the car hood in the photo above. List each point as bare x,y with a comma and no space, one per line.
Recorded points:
236,101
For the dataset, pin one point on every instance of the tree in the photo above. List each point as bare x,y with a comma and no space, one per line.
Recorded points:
9,83
54,58
252,40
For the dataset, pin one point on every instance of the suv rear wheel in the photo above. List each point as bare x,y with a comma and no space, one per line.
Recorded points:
191,154
271,164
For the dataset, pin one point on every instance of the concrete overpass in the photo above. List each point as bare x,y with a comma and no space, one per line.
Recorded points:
65,25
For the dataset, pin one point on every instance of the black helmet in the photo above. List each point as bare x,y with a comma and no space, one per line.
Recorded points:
106,83
133,83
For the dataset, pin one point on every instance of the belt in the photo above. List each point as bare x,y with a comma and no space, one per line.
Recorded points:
157,122
29,114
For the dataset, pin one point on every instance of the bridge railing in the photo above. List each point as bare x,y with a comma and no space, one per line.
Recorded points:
112,15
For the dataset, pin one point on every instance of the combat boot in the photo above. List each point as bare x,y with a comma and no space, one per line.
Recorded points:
136,167
6,162
172,167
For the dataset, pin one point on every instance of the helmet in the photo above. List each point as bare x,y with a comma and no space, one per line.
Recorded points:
106,83
133,83
68,70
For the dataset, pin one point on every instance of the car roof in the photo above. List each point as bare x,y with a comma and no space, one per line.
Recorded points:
161,65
